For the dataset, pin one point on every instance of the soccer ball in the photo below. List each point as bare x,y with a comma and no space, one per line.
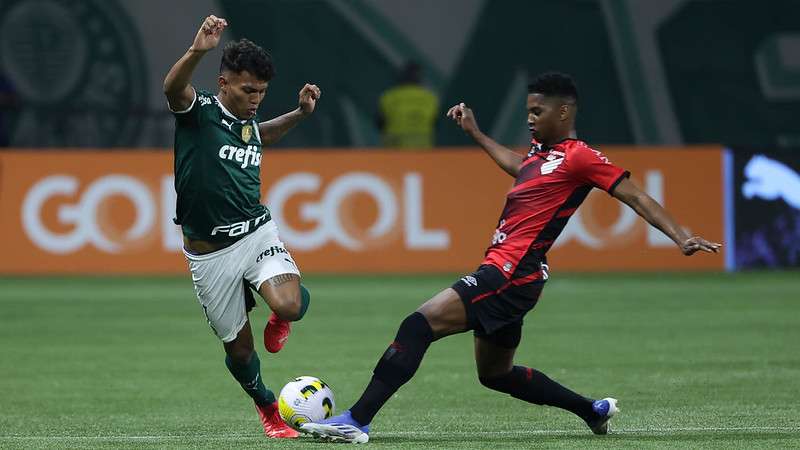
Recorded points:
306,399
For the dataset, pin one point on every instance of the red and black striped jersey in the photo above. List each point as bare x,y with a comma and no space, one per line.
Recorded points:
551,184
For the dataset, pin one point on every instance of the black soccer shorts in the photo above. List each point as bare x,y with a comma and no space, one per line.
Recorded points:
495,305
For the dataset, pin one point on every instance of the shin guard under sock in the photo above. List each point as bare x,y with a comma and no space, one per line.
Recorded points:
397,365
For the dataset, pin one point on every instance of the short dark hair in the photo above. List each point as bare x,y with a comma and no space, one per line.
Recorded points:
554,84
245,55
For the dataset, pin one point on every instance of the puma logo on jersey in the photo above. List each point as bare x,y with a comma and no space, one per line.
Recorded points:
550,166
769,179
227,124
249,156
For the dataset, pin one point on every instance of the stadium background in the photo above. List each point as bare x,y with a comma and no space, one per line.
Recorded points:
699,99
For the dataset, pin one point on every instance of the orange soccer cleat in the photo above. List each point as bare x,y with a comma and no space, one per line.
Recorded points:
274,426
276,333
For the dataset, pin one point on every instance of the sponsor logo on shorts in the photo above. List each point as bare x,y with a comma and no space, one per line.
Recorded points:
270,252
507,266
469,280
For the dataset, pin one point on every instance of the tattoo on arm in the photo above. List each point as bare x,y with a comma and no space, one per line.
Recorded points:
278,280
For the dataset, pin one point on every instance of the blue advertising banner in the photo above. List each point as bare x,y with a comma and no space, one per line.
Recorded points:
765,195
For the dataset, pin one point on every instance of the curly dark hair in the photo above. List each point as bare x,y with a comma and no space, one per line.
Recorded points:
245,55
554,84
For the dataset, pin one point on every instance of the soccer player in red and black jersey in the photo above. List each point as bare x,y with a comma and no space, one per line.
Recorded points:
551,182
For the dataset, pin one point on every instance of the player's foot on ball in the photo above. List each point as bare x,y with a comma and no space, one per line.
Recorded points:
605,410
276,333
274,426
341,428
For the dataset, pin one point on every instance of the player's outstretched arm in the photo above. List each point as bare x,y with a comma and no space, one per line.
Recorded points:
644,205
273,130
503,156
177,87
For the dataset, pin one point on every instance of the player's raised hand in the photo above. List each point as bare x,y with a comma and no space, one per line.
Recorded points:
209,33
463,117
696,243
308,98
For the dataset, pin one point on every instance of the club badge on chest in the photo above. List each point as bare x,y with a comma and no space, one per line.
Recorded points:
247,133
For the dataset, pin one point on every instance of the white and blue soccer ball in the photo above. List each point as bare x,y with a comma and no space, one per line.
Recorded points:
306,399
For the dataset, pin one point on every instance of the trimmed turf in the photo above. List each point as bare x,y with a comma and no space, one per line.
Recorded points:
697,361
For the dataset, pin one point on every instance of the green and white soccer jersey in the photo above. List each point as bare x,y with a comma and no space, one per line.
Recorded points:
217,172
218,181
221,278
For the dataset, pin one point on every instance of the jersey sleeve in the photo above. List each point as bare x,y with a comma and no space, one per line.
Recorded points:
590,166
191,115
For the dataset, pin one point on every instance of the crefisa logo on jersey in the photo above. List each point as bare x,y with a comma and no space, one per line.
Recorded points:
246,157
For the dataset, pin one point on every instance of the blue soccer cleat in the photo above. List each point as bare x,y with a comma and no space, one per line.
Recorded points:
606,409
341,428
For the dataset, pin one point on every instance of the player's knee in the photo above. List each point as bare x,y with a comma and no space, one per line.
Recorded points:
286,307
444,313
305,300
292,306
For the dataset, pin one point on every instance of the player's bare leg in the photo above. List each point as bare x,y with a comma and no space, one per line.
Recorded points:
494,358
445,314
240,350
288,300
441,316
243,363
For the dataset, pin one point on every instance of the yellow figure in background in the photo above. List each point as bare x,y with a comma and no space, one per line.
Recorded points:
407,112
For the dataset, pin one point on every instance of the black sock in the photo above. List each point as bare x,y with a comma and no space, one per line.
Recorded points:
397,365
535,387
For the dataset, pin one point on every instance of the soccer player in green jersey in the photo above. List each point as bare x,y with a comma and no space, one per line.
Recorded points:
230,242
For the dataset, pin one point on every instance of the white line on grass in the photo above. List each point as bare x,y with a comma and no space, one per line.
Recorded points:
631,431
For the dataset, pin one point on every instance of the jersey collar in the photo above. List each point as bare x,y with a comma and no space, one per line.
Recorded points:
562,142
228,113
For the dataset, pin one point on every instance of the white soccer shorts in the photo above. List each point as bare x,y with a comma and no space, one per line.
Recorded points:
221,277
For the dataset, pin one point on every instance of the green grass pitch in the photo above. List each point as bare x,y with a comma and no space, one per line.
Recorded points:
697,361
